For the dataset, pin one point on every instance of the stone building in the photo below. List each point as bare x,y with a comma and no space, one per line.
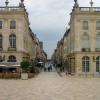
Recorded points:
81,45
41,54
17,41
57,56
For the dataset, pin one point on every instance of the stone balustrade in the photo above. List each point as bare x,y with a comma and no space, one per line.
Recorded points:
9,9
88,9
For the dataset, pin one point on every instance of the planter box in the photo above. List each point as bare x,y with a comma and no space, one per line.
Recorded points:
24,76
10,75
30,75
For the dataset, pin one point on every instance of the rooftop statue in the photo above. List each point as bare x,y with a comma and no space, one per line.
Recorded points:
22,3
91,3
76,4
75,1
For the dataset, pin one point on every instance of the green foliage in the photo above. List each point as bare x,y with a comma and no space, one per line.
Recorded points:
38,65
25,65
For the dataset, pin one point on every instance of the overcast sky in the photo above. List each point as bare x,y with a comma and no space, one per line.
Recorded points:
49,18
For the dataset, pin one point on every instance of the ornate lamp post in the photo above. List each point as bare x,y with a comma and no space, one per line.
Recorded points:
91,3
6,3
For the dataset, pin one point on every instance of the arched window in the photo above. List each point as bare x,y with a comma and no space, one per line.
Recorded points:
85,64
85,25
98,64
12,24
12,58
98,25
12,41
85,40
1,41
98,40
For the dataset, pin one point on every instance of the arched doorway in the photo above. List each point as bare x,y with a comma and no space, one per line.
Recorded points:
85,64
98,65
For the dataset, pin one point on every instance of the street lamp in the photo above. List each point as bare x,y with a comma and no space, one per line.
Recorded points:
6,2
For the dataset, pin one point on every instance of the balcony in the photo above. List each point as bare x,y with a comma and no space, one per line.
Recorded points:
86,50
12,49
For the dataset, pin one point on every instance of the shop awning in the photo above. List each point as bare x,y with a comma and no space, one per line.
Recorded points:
2,65
15,65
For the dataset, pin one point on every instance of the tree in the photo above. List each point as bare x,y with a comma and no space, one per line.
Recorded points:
25,65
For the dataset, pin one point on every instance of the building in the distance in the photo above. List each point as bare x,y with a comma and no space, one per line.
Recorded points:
41,54
17,41
81,42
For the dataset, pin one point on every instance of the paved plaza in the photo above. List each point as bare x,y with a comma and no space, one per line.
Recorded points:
50,86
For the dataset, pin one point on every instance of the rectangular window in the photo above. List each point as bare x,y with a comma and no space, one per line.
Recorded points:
85,44
98,25
97,66
85,25
0,24
0,44
13,25
12,44
0,58
85,66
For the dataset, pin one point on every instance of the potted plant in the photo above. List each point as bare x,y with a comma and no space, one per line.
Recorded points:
25,68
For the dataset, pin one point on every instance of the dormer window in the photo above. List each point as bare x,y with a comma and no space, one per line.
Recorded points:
12,24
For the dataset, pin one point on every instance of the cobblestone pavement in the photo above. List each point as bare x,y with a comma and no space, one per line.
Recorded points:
50,86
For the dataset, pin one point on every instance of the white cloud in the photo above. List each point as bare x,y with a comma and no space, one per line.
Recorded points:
28,2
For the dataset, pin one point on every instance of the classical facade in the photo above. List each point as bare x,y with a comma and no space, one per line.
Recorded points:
41,55
81,42
57,56
17,41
